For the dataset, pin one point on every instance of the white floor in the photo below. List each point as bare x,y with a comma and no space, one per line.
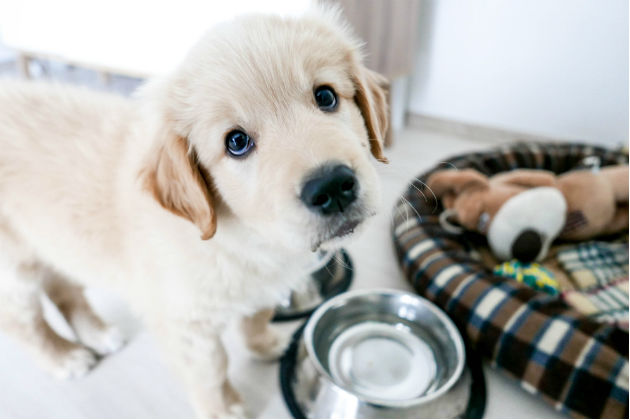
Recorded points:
136,384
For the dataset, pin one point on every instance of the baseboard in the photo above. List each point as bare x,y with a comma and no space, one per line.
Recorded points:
474,132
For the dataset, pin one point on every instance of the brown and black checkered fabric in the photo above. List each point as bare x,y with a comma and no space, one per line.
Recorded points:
574,362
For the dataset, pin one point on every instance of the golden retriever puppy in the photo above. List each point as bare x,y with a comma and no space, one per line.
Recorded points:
199,201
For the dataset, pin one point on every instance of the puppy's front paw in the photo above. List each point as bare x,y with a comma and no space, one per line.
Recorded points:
269,346
210,409
105,341
76,363
235,411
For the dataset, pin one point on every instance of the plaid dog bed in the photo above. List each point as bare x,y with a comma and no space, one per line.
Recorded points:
608,303
594,264
574,362
599,272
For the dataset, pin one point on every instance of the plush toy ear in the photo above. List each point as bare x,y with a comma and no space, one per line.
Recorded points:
528,178
371,98
177,182
449,183
469,211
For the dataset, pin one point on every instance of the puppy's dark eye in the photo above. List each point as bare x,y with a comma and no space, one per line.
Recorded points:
238,143
326,98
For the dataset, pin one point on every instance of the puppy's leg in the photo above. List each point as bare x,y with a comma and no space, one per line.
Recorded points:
90,329
261,338
21,316
197,353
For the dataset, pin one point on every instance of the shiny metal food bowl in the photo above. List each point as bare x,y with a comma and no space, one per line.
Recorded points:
329,275
380,354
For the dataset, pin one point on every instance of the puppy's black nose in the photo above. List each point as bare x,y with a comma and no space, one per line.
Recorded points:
527,246
331,190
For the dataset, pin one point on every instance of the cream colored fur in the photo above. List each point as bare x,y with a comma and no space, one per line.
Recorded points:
100,190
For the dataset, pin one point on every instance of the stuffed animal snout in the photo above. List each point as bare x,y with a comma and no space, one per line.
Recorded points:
526,224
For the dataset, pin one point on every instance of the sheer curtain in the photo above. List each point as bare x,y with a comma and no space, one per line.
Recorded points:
389,29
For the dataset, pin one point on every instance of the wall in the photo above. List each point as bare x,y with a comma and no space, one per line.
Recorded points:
556,68
6,54
139,38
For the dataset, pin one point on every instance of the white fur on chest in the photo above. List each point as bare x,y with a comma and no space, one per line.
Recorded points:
234,273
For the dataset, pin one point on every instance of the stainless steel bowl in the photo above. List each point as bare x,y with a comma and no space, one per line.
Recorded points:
380,354
329,275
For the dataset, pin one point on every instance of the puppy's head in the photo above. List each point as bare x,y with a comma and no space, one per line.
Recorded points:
275,122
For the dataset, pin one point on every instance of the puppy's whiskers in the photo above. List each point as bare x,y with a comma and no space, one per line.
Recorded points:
341,262
449,164
411,182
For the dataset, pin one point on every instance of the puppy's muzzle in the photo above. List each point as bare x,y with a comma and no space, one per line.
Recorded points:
330,189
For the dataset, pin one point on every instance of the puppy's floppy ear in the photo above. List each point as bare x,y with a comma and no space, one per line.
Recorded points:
449,183
371,98
177,182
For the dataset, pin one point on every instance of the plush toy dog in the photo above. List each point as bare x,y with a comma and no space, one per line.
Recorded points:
523,211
